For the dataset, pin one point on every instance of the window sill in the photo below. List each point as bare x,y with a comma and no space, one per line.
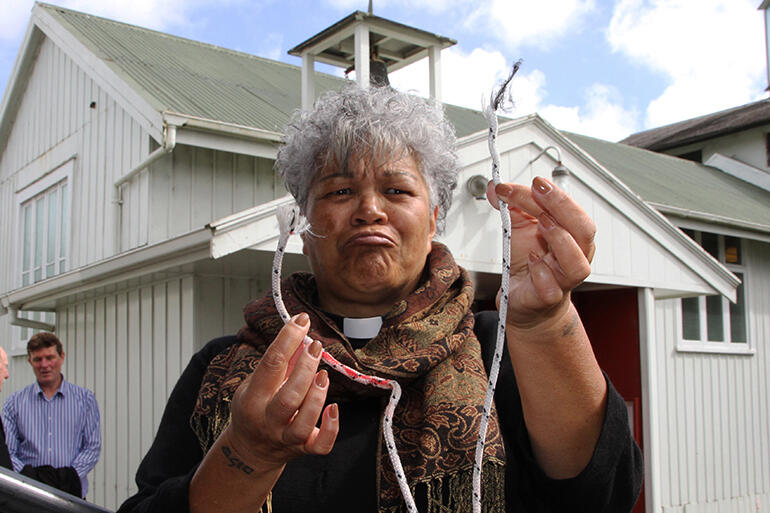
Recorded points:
689,346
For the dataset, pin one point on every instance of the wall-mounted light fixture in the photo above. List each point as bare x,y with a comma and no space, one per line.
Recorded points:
560,174
477,186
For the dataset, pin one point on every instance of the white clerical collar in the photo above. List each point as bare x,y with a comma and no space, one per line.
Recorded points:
366,328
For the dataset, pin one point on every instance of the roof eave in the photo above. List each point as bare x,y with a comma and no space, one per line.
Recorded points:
17,82
684,213
376,20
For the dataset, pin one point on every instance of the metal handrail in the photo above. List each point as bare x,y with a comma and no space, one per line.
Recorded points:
21,494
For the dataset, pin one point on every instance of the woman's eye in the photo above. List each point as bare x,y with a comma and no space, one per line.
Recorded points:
340,192
395,190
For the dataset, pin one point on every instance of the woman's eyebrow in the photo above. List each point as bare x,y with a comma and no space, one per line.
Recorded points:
337,174
394,172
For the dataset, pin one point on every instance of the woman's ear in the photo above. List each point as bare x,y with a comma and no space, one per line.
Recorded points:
432,227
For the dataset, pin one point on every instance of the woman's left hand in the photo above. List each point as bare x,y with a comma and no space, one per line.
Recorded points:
552,245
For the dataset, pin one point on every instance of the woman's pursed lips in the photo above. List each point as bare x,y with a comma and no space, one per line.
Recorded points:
373,238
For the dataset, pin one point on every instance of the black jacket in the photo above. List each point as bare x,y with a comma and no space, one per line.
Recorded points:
345,481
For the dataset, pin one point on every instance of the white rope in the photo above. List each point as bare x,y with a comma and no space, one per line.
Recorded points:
505,217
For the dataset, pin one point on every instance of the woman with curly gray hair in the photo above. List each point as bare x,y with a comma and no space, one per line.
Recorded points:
255,423
379,124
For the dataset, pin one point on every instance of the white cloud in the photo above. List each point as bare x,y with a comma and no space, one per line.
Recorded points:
602,115
154,14
469,78
711,51
527,22
466,78
14,16
434,6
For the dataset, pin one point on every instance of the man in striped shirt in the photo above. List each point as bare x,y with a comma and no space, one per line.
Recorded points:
52,426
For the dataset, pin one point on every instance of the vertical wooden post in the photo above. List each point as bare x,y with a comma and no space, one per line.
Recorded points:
362,54
308,84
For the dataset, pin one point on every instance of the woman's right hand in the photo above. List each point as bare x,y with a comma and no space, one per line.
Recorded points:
274,417
276,409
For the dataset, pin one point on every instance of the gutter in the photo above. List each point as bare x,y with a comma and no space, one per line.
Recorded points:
29,323
711,218
168,145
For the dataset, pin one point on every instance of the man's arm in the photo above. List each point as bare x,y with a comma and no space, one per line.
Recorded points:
11,433
91,442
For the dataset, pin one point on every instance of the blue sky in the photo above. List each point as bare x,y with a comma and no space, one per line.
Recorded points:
605,68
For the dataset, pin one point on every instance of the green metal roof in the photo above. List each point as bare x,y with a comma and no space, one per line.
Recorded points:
684,185
206,81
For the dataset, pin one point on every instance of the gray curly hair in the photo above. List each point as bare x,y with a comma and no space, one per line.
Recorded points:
379,123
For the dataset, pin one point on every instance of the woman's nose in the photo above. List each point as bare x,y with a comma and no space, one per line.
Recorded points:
370,210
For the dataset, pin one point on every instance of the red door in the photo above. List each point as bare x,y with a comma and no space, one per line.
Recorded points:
611,319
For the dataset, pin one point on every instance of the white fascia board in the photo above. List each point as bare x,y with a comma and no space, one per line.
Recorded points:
705,225
473,149
229,137
761,231
181,250
17,82
116,86
741,170
245,229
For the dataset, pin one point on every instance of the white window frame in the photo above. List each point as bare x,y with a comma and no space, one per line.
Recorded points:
27,197
725,346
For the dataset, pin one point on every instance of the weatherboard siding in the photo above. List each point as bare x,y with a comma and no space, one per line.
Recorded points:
714,440
55,121
128,346
194,186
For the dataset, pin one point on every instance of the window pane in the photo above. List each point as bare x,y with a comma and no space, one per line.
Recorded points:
710,242
733,250
689,233
690,319
63,231
39,231
738,315
50,248
27,250
714,318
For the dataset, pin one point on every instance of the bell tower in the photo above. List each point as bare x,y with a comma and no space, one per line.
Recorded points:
373,47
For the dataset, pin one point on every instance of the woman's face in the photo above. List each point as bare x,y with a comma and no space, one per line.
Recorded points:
373,228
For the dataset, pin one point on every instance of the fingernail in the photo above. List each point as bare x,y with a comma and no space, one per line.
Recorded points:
322,379
533,257
542,185
314,349
301,320
547,221
334,411
503,191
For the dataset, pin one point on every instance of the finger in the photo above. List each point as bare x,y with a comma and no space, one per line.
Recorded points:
546,286
322,440
565,258
518,197
566,213
273,366
292,393
304,422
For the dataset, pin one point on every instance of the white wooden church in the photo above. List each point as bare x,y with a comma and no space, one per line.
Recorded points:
137,200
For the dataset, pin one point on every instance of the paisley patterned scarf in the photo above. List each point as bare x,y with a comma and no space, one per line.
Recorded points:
427,343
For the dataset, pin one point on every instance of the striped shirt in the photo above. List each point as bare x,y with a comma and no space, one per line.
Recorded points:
62,431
